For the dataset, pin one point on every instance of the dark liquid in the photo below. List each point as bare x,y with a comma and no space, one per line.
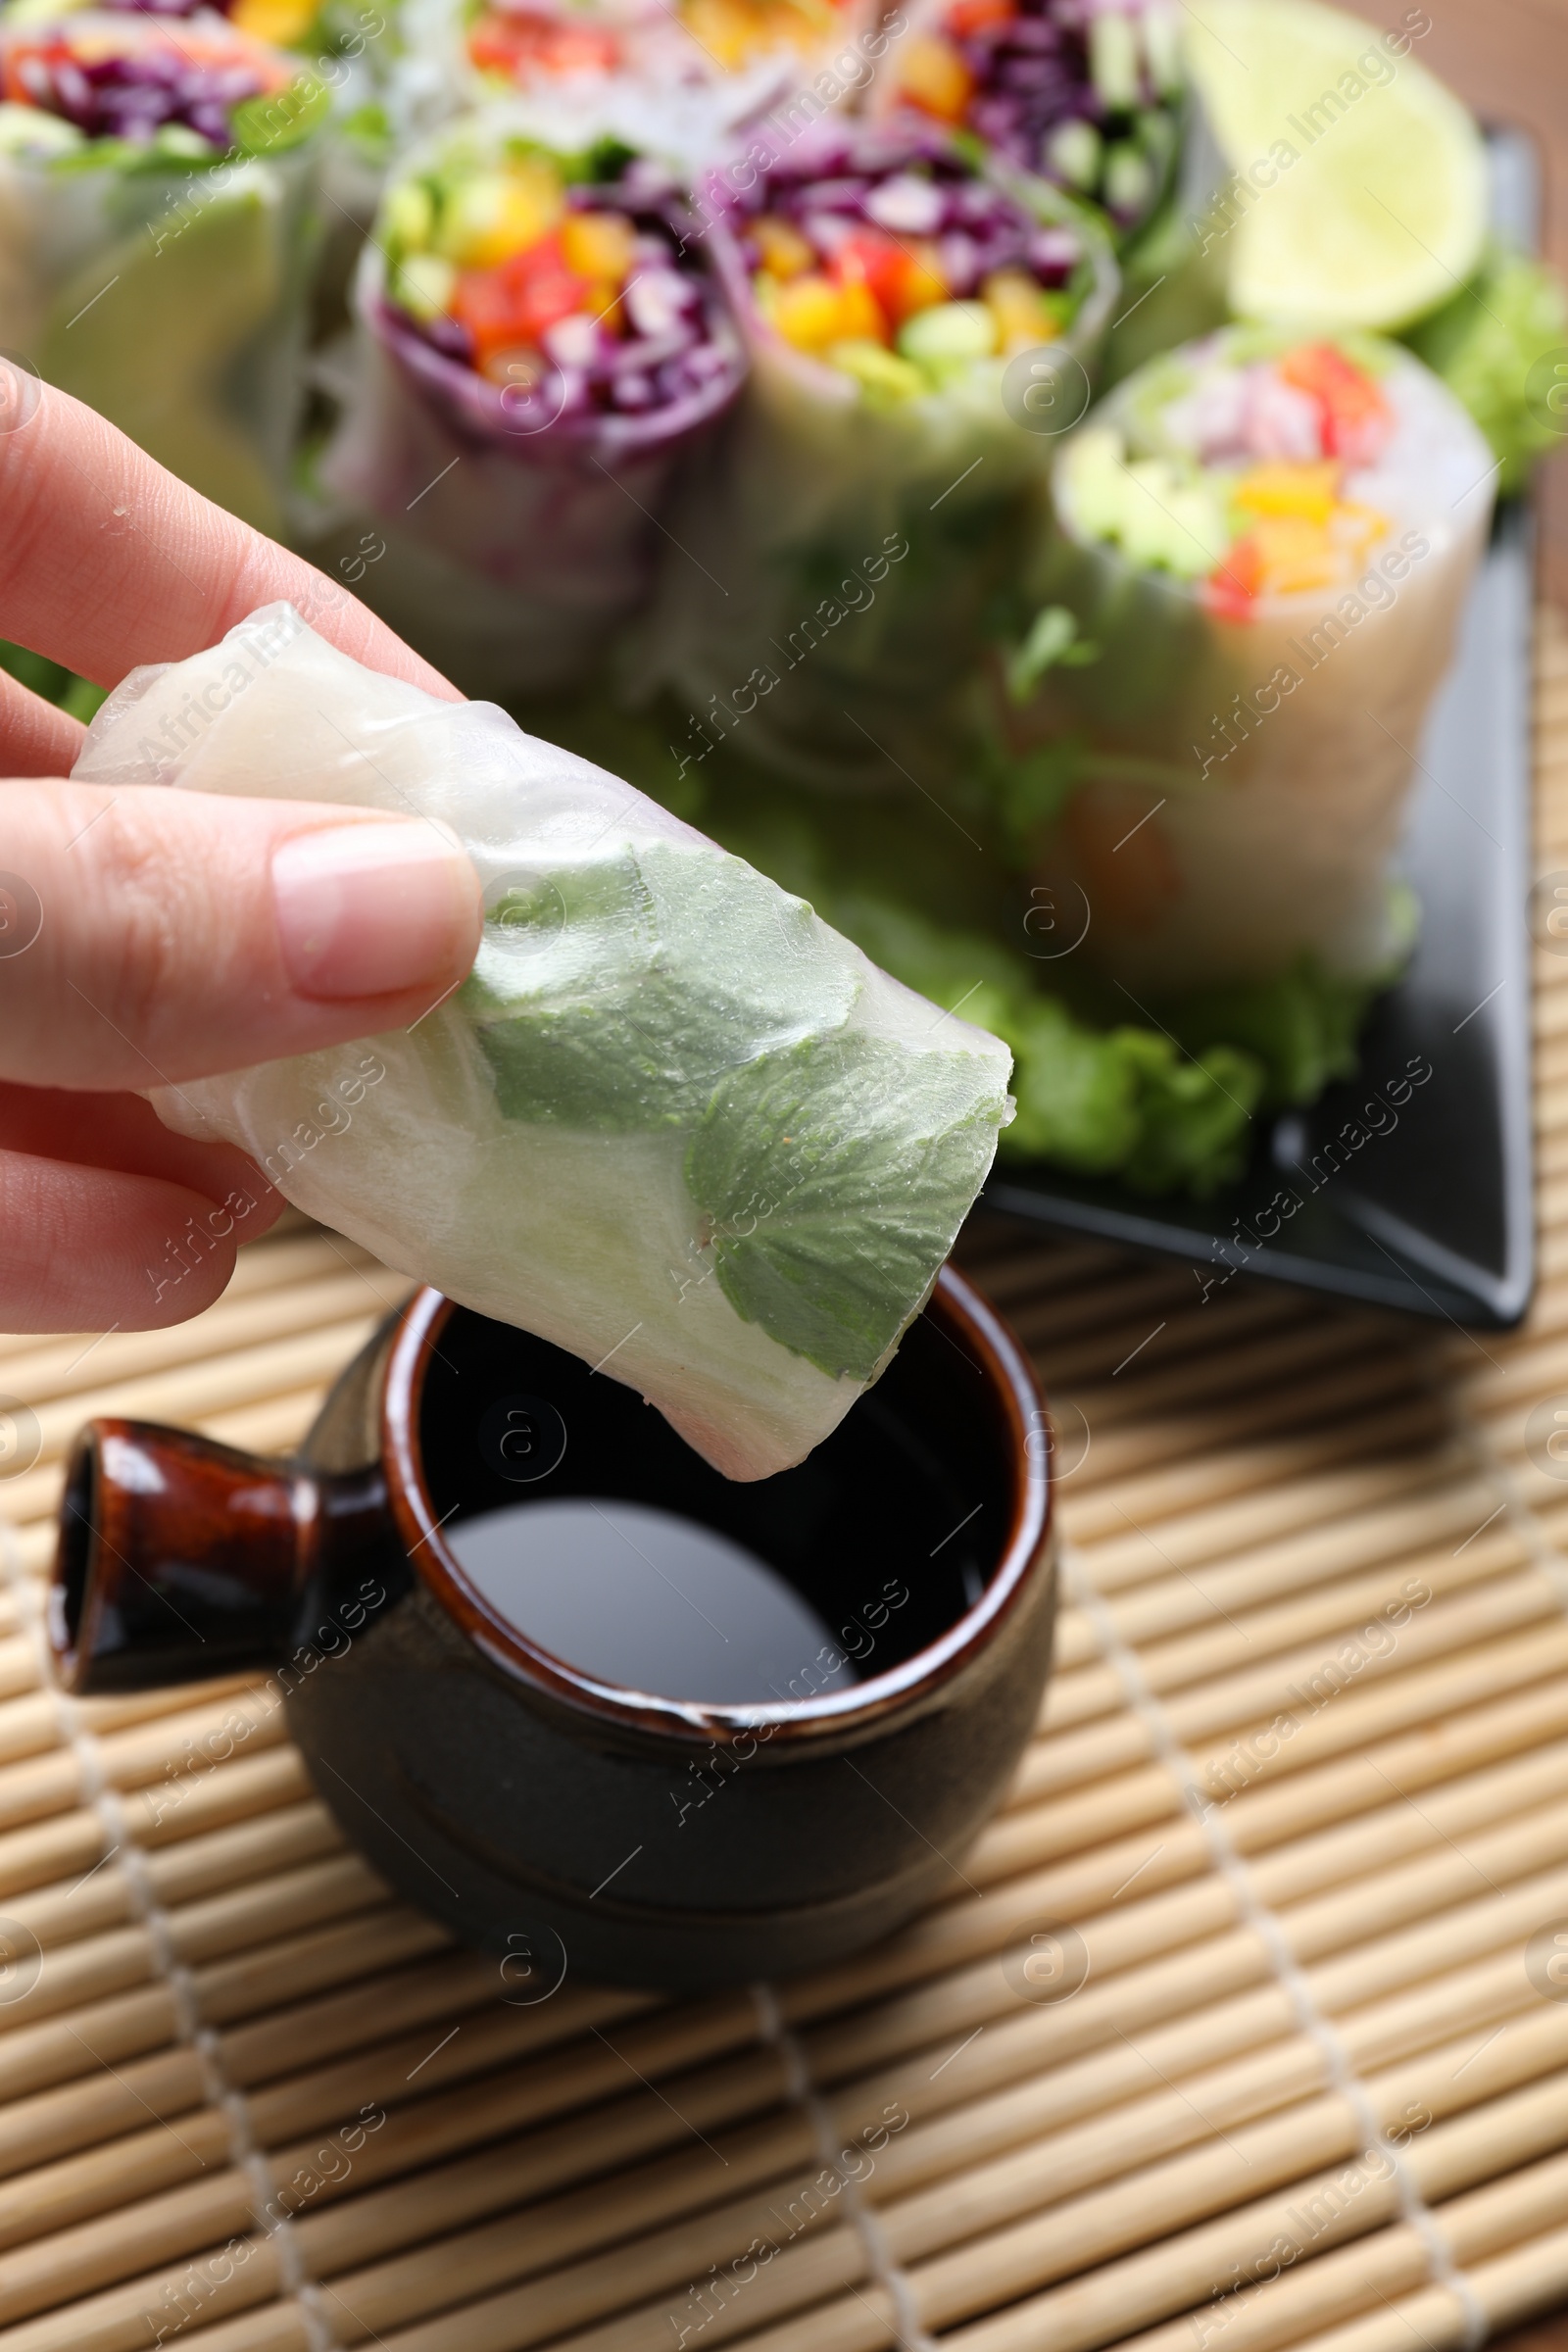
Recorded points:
633,1595
600,1535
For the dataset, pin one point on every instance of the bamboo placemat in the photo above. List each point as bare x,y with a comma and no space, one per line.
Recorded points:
1236,2031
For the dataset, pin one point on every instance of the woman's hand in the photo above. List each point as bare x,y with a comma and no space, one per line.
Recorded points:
149,936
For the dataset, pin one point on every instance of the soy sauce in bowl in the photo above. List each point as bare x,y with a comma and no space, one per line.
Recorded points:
627,1556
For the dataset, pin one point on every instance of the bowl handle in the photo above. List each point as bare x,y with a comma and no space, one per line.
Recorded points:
179,1559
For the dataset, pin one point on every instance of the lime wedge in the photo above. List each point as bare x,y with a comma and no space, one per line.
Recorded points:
1357,194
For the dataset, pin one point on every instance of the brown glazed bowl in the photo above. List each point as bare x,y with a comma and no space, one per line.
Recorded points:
544,1814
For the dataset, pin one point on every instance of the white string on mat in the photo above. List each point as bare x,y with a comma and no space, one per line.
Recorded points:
1255,1914
113,1821
880,2260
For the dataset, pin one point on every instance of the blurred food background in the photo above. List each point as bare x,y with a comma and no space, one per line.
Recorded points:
1013,470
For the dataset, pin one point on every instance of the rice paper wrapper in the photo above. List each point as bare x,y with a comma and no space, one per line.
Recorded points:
671,1121
171,302
834,562
1246,782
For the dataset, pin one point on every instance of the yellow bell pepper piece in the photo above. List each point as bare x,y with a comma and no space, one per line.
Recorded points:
1018,306
1287,486
734,31
730,33
497,213
860,319
806,312
784,251
599,246
280,22
1296,553
933,77
601,304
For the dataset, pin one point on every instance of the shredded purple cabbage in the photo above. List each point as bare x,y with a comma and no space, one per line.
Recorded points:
1033,75
134,95
173,9
678,348
907,179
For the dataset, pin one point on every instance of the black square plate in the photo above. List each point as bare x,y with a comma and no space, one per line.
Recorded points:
1417,1196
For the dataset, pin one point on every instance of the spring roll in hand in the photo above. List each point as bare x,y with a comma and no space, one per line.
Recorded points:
671,1121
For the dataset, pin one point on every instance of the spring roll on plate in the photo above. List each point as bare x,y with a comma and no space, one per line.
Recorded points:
1264,544
157,230
836,559
538,343
671,1121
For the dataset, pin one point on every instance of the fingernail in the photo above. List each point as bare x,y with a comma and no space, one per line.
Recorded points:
366,911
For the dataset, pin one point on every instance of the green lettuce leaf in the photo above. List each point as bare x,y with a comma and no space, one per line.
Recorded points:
1485,344
1125,1101
1302,1027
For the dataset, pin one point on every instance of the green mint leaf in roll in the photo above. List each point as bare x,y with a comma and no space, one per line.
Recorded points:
619,995
1051,637
831,1182
655,1039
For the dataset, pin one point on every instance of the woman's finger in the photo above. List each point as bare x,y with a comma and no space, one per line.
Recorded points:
148,935
90,1248
121,1132
107,561
35,739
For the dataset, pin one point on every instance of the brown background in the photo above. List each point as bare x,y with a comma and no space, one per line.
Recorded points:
1508,60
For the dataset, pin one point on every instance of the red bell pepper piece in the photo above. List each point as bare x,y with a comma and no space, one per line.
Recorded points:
1355,416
